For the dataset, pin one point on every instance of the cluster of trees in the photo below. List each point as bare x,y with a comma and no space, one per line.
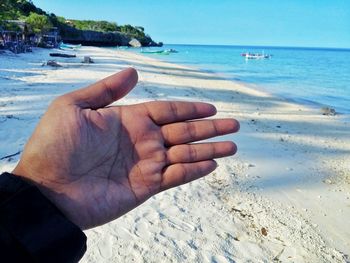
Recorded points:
14,9
37,20
100,26
40,22
105,26
136,32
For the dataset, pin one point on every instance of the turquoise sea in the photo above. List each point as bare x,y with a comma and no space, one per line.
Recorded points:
315,76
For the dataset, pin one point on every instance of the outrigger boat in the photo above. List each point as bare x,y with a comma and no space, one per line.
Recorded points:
249,55
158,52
68,46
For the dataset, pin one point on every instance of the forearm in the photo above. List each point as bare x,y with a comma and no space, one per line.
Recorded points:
32,228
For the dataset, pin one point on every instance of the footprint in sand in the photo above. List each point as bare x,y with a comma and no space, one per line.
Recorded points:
176,229
105,247
143,230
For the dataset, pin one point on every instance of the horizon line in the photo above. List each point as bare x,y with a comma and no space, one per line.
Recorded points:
266,46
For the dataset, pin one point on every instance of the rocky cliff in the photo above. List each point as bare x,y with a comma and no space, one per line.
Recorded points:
94,38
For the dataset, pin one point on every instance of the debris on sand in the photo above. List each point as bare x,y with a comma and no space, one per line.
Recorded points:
264,231
87,60
52,63
328,111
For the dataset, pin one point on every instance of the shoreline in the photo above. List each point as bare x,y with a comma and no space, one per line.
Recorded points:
290,177
317,100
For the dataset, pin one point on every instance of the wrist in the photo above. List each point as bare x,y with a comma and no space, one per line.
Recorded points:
47,190
43,223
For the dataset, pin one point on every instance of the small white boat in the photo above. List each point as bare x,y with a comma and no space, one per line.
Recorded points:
249,55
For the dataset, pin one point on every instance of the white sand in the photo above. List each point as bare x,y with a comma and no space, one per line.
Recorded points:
284,197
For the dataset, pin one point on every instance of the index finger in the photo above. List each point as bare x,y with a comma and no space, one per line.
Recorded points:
165,112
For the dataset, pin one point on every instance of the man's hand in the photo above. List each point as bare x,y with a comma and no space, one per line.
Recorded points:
95,163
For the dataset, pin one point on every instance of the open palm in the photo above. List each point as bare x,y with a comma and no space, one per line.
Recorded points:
97,162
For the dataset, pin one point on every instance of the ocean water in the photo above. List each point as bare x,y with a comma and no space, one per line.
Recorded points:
314,76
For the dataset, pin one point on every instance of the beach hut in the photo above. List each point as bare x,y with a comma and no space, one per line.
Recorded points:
13,36
52,38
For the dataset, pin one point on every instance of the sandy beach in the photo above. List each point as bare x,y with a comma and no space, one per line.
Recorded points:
285,196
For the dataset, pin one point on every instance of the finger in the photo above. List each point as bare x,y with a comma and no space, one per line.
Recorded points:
190,153
105,91
164,112
185,132
182,173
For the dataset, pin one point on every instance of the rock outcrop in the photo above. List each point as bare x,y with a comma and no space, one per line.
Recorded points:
135,43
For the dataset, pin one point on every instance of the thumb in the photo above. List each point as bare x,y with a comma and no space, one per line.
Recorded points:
105,91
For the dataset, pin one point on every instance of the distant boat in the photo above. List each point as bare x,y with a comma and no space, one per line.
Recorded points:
157,52
171,50
249,55
68,46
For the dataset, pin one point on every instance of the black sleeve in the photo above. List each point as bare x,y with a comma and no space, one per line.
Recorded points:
32,229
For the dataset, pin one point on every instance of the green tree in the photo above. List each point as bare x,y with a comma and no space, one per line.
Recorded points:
39,24
14,9
7,11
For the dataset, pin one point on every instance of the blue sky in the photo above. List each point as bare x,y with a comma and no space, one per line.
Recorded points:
307,23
